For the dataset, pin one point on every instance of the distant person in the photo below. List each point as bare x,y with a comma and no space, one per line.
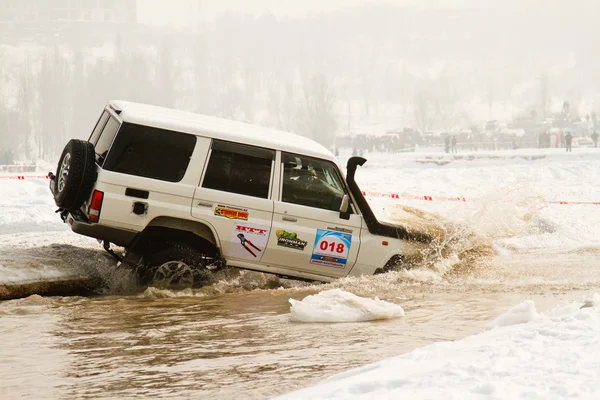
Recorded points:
454,144
568,141
447,144
595,138
514,144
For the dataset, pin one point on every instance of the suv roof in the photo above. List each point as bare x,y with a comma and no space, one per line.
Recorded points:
219,128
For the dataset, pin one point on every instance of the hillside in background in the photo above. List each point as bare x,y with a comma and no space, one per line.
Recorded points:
349,70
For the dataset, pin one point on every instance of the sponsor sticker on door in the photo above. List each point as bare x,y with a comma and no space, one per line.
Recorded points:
248,241
232,212
331,248
290,240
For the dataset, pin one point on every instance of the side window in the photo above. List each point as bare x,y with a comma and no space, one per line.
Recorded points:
311,182
149,152
106,139
99,126
238,168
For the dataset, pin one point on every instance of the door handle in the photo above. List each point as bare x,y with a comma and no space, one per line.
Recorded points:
204,204
290,219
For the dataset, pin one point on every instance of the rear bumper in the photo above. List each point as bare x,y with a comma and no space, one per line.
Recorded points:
120,237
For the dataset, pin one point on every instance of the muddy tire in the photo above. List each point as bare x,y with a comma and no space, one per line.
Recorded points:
75,175
177,266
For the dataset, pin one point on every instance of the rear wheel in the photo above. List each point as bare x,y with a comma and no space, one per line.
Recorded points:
173,274
177,266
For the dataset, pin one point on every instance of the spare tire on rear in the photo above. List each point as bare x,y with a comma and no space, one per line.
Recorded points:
75,174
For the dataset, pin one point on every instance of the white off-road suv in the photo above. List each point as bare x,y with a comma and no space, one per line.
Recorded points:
185,194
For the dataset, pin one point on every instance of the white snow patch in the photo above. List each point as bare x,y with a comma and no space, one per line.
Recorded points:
337,305
594,301
551,357
519,314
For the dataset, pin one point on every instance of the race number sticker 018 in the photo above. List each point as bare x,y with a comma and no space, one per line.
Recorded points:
331,248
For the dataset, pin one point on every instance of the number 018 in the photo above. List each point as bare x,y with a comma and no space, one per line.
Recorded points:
332,246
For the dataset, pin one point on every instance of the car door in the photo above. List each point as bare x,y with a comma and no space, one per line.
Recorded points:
234,197
307,232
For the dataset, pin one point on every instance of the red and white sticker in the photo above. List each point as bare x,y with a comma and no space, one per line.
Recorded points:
248,241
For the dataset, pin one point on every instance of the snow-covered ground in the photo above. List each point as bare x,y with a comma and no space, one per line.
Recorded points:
524,353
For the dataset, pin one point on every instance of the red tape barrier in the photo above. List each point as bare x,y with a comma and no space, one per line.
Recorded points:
395,196
413,197
458,199
23,177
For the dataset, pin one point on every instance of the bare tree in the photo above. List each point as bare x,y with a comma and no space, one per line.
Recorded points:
424,110
490,98
447,103
8,140
230,101
165,77
544,100
53,108
315,114
281,103
248,94
20,123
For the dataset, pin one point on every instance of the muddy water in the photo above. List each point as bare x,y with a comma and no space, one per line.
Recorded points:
235,338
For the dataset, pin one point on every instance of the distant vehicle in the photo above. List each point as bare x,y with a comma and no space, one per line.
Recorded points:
491,126
583,142
187,194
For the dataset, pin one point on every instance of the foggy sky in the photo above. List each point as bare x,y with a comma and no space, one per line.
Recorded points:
184,12
426,64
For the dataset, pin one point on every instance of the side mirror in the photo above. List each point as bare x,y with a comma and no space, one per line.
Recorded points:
345,204
344,207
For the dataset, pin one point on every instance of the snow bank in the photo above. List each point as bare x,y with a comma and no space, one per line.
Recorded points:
554,356
337,305
27,206
519,314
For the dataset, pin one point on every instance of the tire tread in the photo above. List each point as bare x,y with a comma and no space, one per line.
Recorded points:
82,175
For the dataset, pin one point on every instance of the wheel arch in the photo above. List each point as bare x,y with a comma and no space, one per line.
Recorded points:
164,230
390,262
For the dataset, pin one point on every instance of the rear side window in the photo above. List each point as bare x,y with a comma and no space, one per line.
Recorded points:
98,129
106,138
150,152
238,168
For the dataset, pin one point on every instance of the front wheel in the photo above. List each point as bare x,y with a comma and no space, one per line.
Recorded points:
177,266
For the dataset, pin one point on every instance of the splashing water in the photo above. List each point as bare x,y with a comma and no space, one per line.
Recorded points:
464,238
504,212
